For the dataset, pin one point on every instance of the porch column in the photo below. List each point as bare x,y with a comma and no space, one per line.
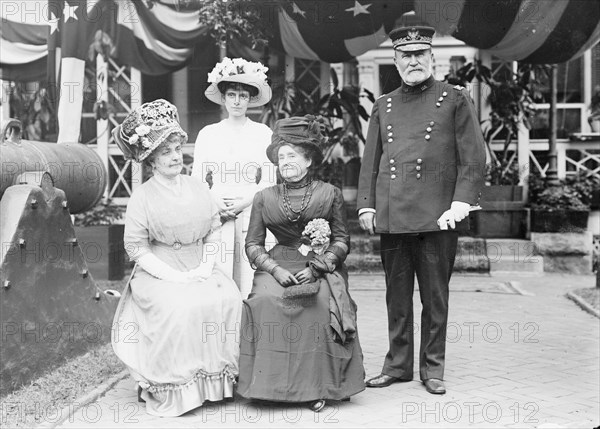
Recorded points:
325,79
4,101
367,78
523,159
181,96
102,125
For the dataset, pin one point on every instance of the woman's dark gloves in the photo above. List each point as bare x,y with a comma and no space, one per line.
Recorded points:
325,263
284,277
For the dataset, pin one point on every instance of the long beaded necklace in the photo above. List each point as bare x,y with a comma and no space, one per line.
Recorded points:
290,213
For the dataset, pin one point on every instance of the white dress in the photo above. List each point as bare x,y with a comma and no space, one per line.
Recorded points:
179,340
235,157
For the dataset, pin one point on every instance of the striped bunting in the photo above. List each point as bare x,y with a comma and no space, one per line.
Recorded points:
532,31
335,31
23,40
157,40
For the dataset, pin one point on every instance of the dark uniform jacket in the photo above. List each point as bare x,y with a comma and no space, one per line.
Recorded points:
424,149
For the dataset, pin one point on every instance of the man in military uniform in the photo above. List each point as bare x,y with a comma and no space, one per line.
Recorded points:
421,172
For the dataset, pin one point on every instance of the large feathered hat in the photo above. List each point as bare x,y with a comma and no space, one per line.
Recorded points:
305,131
146,127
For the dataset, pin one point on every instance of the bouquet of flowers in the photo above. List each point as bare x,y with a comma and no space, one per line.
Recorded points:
315,237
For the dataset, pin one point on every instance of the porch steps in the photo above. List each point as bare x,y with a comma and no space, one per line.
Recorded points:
364,254
474,254
509,255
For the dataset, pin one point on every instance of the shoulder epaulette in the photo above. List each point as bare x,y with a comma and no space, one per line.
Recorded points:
458,87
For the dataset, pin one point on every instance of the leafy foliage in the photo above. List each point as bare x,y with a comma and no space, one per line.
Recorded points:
505,172
228,19
511,99
30,103
573,193
104,213
341,110
595,104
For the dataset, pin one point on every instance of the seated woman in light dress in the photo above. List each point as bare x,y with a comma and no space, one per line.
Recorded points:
175,326
299,340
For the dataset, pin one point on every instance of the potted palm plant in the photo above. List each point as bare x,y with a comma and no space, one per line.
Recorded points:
511,101
99,232
342,112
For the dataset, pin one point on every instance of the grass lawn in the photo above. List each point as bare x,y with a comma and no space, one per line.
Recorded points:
44,396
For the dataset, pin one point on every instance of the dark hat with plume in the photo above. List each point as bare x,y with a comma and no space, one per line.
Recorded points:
305,131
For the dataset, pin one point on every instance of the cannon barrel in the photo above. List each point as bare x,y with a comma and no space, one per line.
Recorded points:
74,168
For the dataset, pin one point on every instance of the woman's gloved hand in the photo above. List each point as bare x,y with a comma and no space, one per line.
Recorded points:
284,277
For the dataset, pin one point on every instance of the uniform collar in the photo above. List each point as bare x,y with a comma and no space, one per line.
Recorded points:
420,87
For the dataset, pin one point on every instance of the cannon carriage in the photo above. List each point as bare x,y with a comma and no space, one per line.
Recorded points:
50,305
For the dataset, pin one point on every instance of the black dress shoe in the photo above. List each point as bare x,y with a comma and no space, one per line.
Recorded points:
383,380
139,391
435,386
317,405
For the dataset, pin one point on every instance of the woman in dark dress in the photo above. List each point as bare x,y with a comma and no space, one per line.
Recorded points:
299,341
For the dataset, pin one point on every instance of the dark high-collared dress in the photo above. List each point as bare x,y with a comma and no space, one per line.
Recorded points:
424,150
296,350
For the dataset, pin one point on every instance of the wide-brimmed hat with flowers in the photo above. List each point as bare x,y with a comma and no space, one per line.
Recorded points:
146,127
239,70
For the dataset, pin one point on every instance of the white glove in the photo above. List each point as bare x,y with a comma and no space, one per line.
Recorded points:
457,212
203,272
151,264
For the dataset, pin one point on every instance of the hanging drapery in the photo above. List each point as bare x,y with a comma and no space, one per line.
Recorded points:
333,31
155,40
531,31
50,40
159,36
23,42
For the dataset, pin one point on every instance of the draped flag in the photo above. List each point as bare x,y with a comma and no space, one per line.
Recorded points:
335,31
23,40
531,31
155,40
71,28
159,36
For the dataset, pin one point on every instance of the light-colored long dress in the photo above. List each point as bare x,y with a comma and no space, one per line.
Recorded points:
240,168
179,340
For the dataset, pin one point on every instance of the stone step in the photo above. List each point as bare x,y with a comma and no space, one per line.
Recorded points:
364,254
507,255
363,262
473,254
510,247
365,244
533,266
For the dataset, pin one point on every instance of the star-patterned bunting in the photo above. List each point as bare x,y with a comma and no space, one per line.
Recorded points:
357,9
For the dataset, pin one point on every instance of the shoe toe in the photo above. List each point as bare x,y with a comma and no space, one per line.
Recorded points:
435,386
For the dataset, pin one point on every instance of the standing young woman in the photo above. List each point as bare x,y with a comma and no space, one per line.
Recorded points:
230,156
